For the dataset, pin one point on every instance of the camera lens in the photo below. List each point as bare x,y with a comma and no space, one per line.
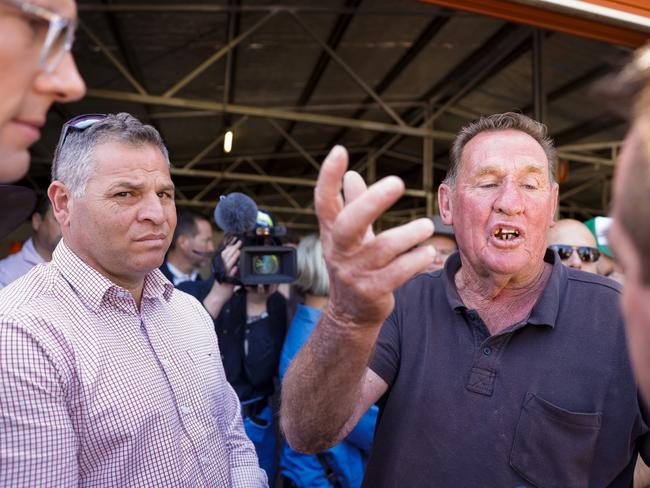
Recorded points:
265,264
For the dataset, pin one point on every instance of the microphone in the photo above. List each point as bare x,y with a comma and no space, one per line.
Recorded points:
235,213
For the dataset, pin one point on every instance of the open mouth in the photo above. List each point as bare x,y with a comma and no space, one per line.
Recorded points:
505,233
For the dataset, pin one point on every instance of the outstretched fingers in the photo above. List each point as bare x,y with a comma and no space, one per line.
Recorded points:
398,271
327,194
353,221
394,242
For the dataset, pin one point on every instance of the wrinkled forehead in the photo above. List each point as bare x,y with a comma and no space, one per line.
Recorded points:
505,149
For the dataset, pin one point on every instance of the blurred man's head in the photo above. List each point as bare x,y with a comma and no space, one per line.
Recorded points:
629,236
37,70
47,232
444,245
575,244
193,233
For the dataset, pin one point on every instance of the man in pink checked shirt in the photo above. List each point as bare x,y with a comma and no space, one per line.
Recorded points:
108,375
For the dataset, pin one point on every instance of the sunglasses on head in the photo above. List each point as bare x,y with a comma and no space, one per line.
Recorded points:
79,124
585,253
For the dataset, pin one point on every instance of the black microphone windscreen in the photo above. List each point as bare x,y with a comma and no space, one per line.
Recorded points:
235,213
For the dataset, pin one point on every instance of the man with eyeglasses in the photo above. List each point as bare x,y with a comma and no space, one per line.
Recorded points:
575,244
38,70
109,376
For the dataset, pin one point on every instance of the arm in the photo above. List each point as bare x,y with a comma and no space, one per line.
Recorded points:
328,386
38,446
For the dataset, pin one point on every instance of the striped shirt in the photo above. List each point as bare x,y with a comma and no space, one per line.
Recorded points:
95,393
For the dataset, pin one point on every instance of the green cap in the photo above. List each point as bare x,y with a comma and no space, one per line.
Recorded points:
599,227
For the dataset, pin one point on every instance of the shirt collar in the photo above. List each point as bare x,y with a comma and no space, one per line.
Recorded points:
179,276
30,254
544,312
91,286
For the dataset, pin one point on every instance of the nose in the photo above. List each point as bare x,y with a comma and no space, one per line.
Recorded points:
64,84
152,209
574,260
509,200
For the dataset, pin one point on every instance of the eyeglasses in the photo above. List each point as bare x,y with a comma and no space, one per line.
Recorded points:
585,253
79,124
59,37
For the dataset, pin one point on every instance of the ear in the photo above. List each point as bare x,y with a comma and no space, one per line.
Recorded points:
445,205
182,242
62,202
37,220
555,191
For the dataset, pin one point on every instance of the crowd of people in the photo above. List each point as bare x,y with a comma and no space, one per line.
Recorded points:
490,345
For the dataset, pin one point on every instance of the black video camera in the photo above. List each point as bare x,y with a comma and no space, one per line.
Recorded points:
263,260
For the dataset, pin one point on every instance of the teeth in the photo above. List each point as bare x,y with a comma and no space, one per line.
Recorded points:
505,234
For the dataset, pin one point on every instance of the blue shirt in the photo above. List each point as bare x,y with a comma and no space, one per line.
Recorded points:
348,458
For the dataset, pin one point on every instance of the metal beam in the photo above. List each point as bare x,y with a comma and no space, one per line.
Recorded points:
294,144
201,154
537,61
340,27
282,180
113,60
402,10
216,56
423,39
579,188
391,113
201,104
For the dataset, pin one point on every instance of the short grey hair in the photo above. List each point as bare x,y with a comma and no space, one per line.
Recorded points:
312,271
73,162
499,122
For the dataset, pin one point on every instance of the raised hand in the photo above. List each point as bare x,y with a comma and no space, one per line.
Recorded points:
364,268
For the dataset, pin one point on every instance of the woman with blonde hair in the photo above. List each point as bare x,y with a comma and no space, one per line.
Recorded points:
344,464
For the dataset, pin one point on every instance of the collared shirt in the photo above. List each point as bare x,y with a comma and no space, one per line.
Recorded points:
550,401
14,266
95,393
178,276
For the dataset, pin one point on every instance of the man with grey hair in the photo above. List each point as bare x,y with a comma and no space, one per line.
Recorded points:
108,375
505,369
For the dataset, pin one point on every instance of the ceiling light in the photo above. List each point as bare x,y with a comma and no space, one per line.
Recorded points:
227,142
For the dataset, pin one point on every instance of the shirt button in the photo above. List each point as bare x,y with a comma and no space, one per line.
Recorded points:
166,363
487,351
205,460
186,409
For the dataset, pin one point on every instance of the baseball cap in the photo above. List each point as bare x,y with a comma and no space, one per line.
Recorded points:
599,227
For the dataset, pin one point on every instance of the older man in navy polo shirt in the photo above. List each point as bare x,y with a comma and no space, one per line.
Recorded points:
503,369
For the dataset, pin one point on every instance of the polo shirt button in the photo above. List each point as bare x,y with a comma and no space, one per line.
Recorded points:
205,460
487,351
186,409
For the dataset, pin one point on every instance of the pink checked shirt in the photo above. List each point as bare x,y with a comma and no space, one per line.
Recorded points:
95,393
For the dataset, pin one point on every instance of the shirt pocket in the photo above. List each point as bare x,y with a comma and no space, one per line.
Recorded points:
554,447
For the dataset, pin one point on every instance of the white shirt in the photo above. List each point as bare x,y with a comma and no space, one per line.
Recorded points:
17,265
179,276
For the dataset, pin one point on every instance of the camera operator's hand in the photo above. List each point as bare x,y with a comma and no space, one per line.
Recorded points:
364,268
220,293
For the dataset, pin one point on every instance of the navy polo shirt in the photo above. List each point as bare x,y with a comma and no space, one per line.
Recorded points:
548,402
